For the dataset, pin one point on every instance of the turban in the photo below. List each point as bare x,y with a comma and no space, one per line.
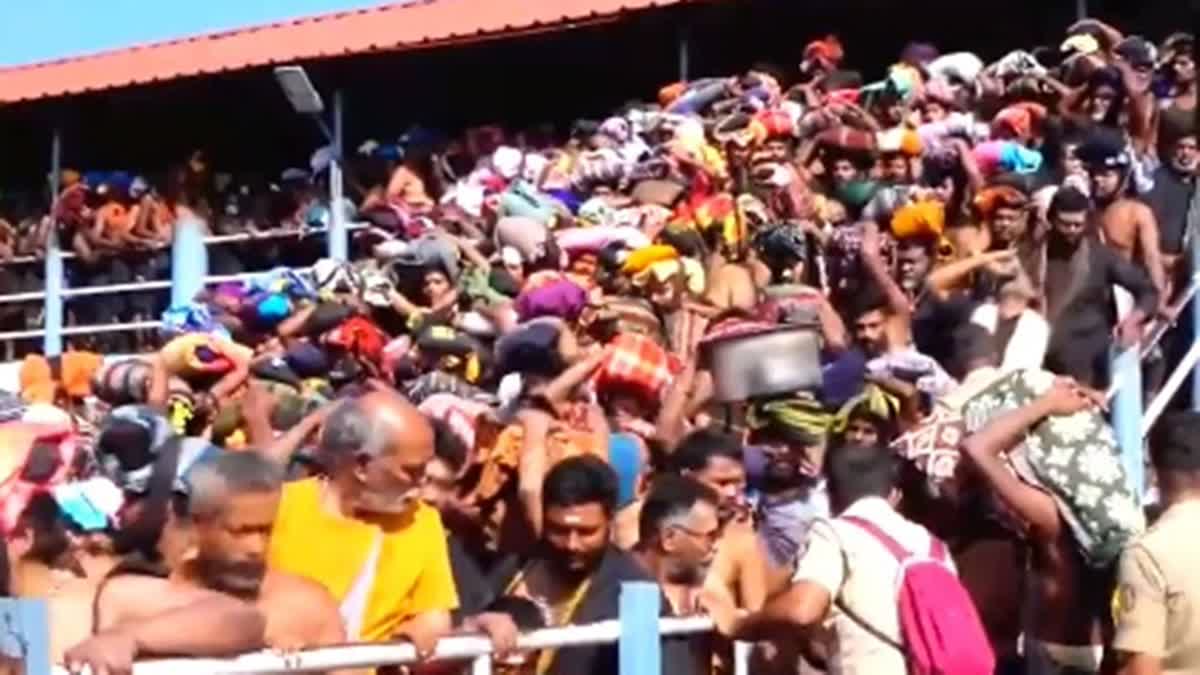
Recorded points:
919,219
692,270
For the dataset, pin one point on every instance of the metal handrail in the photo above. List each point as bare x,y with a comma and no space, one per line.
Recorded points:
1185,367
82,330
277,233
1157,330
117,288
456,648
132,287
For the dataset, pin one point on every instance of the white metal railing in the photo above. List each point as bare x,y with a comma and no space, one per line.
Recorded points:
1157,331
473,648
209,240
7,337
120,288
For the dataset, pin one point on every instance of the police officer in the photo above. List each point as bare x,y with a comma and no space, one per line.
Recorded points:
1158,585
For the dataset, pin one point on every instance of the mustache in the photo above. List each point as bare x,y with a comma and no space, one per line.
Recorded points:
240,578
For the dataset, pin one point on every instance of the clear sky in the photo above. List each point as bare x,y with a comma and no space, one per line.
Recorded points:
41,30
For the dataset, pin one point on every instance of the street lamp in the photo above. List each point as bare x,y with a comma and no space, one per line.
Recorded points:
305,100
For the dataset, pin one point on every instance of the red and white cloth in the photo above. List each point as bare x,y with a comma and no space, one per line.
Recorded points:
639,364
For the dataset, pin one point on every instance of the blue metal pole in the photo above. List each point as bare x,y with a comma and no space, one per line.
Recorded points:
52,343
338,238
639,650
1127,415
189,261
25,627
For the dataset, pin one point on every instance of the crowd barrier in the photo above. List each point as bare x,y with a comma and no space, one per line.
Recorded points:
193,256
638,634
639,630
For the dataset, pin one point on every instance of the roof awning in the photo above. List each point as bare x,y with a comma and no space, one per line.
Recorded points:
398,26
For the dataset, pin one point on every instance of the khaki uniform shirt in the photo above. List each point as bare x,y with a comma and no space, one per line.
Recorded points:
856,569
1157,603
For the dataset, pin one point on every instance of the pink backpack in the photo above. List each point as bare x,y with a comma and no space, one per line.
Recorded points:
941,630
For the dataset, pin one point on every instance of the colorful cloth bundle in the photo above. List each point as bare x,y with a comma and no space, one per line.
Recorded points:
460,414
996,197
191,318
1075,459
919,219
801,415
933,446
1006,156
637,364
360,338
899,140
22,444
555,296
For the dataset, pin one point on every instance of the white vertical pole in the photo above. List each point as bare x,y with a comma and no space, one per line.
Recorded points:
482,665
1193,234
339,241
1081,9
53,271
684,55
1127,414
741,657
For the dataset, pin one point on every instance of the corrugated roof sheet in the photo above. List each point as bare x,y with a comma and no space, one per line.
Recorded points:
396,26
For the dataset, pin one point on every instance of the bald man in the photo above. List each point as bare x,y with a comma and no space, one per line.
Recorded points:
362,531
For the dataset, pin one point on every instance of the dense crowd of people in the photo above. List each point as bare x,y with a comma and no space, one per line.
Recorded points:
824,357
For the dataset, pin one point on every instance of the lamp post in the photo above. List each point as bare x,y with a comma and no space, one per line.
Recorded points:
305,100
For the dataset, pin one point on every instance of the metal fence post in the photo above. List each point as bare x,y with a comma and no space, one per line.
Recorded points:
1127,414
189,261
52,315
482,665
639,648
339,240
684,53
1193,234
25,634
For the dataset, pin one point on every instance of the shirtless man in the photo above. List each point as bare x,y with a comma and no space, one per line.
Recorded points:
1073,616
1127,225
219,543
45,565
739,564
678,529
196,622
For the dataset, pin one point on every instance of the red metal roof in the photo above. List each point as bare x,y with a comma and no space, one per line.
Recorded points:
395,26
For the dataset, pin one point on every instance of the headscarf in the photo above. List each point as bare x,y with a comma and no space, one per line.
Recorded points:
800,416
919,219
996,197
828,50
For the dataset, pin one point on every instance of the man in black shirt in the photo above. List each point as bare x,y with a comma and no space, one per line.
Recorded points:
1079,275
1172,194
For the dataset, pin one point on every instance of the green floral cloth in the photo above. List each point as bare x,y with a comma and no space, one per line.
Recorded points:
1075,459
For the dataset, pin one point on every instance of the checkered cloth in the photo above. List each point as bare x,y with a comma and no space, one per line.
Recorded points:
933,445
459,414
637,364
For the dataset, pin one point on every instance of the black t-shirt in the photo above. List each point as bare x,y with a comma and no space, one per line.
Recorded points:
1169,200
934,322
